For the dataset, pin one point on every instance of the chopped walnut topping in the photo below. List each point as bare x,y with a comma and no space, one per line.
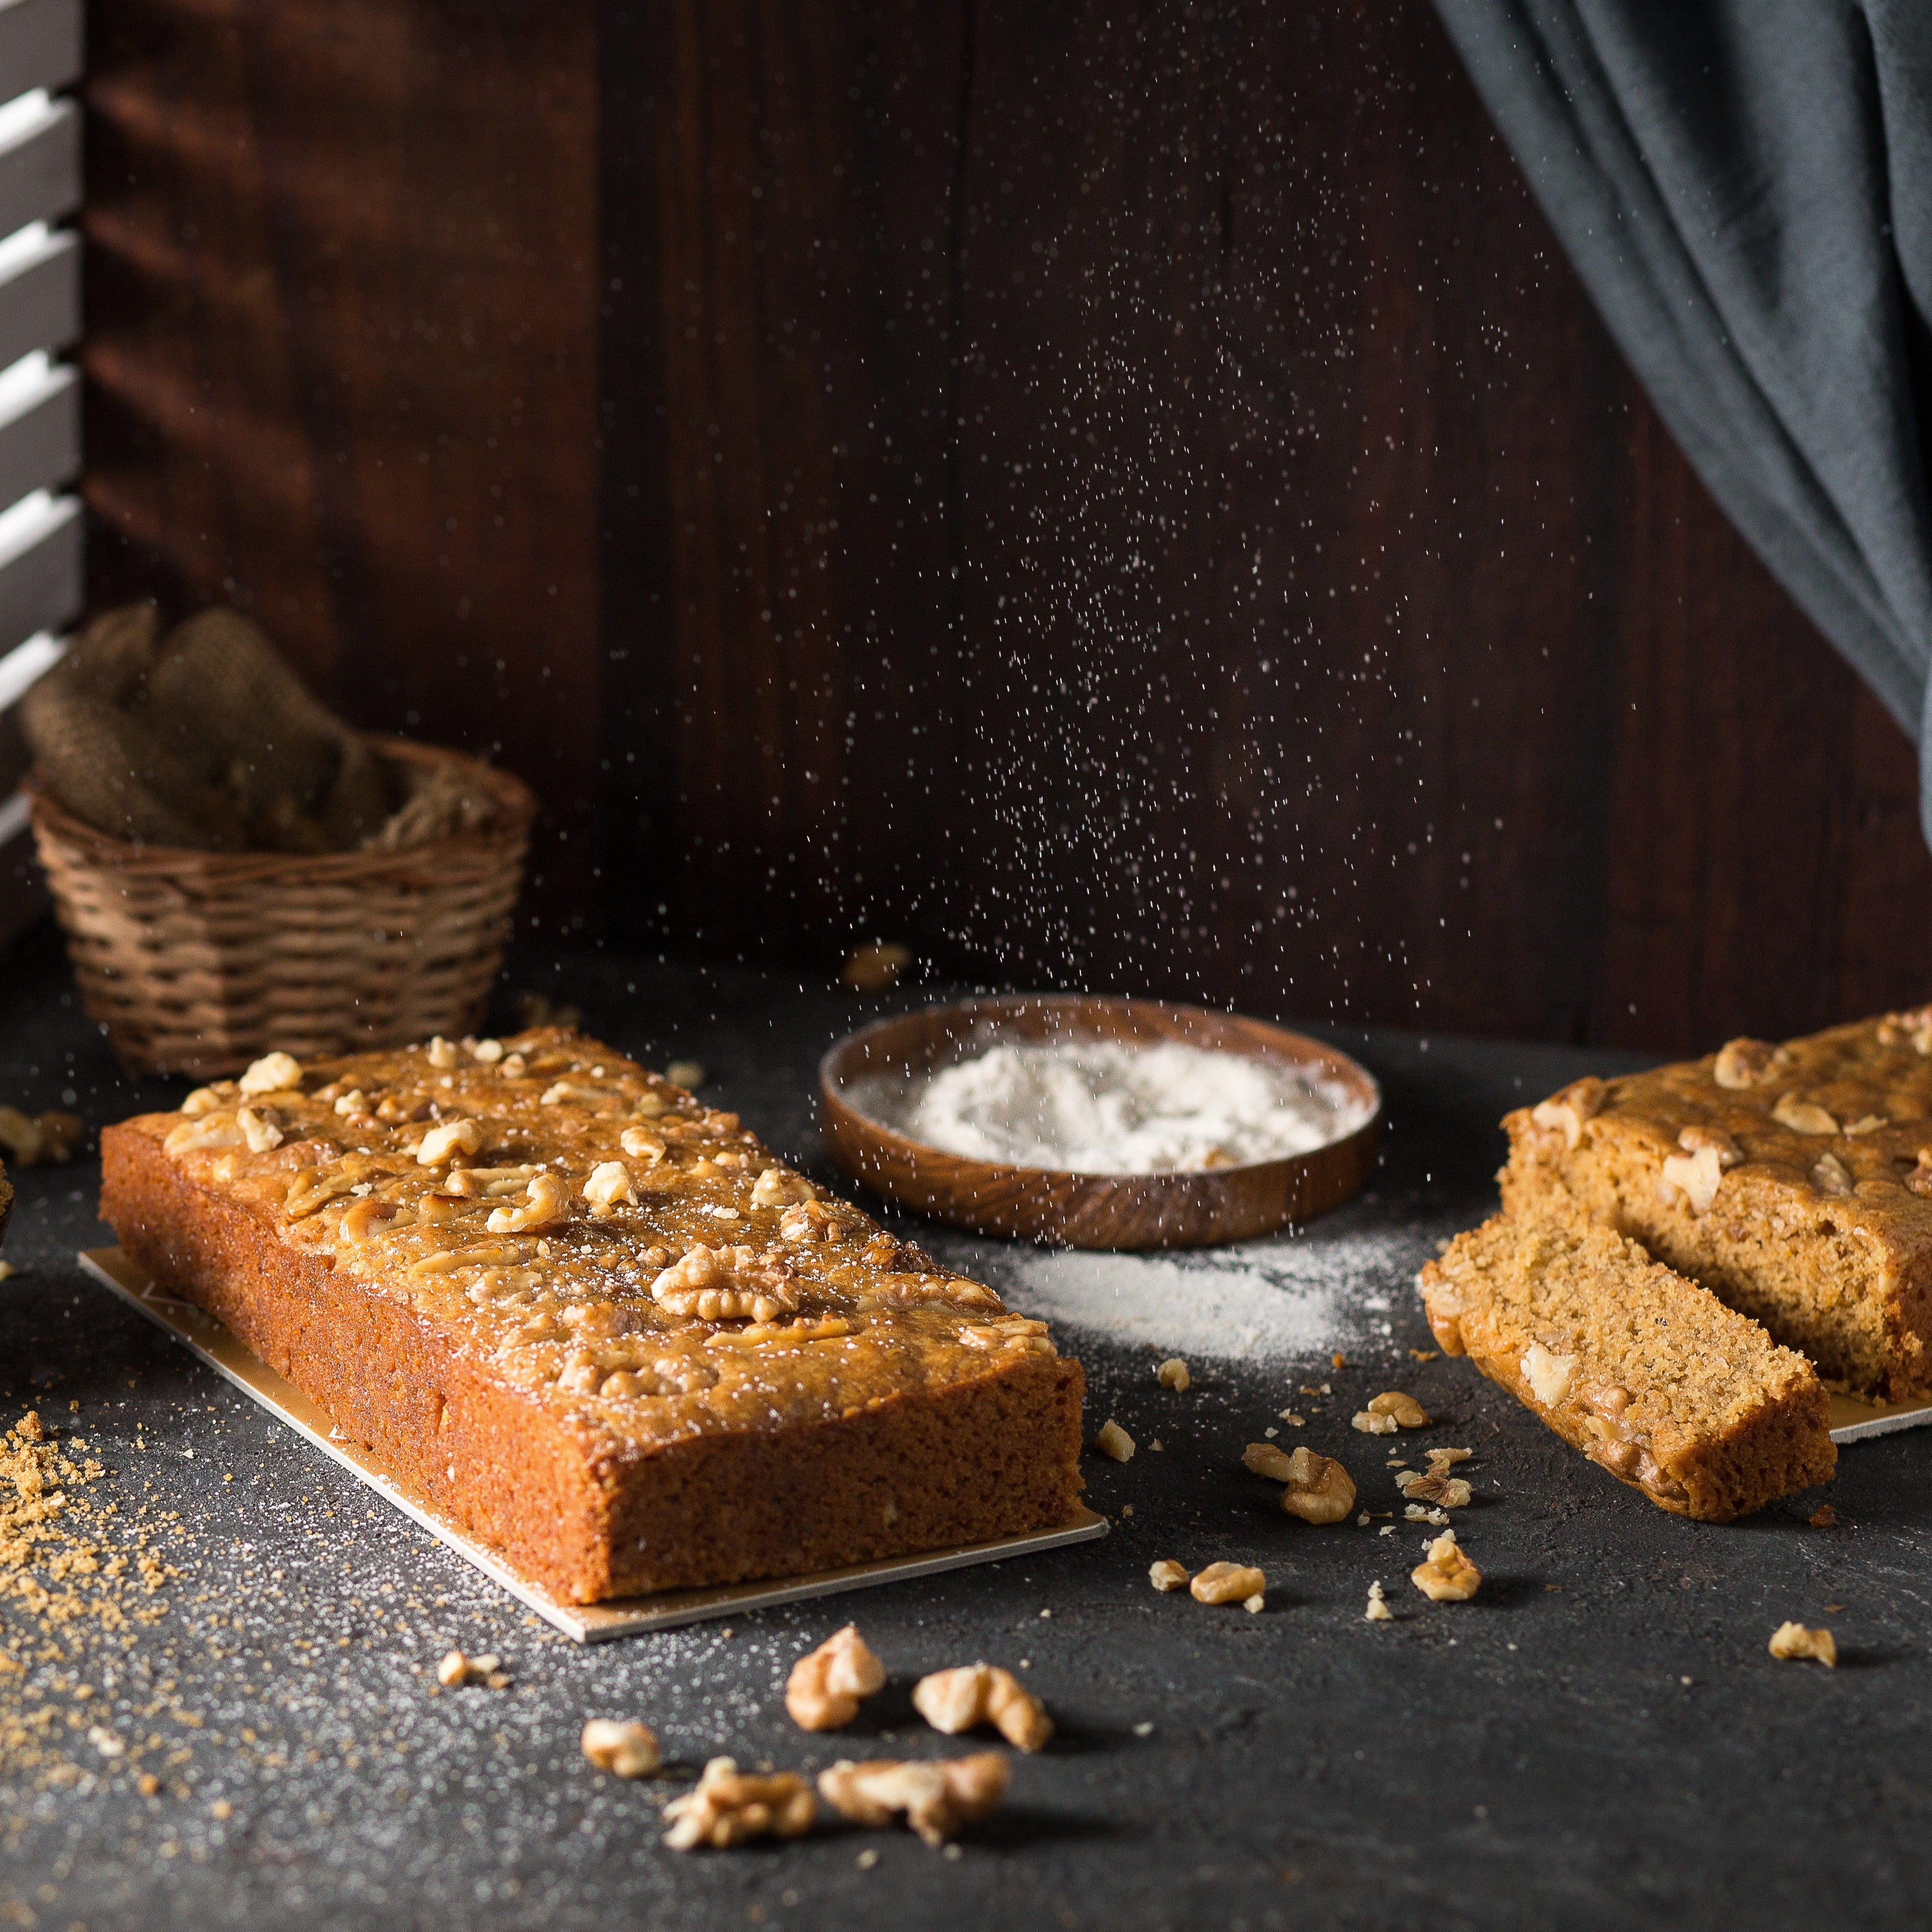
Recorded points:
1548,1375
627,1750
1227,1583
208,1131
726,1285
1830,1175
447,1139
1569,1112
273,1073
1803,1117
1378,1611
826,1686
1448,1576
1709,1154
546,1205
259,1128
610,1185
1172,1374
441,1053
1794,1640
489,1052
779,1187
205,1099
809,1221
1868,1123
1408,1413
953,1701
1919,1180
1167,1575
1011,1331
1115,1440
726,1807
1445,1492
937,1797
1742,1063
489,1183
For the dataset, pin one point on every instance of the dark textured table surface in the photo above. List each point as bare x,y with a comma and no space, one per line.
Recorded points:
1600,1739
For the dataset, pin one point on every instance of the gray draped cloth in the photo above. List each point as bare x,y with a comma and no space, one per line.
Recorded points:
1745,187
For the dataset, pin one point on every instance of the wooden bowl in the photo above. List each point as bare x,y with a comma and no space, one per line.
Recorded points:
1089,1210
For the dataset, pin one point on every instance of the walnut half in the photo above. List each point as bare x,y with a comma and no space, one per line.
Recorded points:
726,1807
952,1701
826,1686
726,1285
1317,1488
937,1797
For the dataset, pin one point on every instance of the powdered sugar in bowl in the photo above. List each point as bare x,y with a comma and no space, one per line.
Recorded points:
1100,1122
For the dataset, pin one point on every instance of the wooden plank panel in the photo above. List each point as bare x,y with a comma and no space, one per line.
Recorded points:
800,238
40,168
342,362
40,45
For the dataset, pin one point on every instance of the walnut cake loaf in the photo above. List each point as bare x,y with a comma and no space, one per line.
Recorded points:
1684,1400
1795,1182
593,1320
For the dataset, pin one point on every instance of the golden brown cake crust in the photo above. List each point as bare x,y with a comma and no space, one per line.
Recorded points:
600,1326
1793,1181
1689,1402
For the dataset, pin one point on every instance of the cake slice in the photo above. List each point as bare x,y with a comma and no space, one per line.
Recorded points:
1795,1182
593,1320
1648,1374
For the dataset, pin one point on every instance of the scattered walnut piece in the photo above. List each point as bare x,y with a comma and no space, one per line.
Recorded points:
1173,1374
1228,1583
1441,1460
726,1807
1803,1117
1448,1576
1445,1492
1318,1489
1794,1640
1378,1611
1115,1440
826,1685
456,1670
46,1137
628,1750
1167,1575
937,1797
1372,1424
875,967
1264,1459
1408,1413
953,1701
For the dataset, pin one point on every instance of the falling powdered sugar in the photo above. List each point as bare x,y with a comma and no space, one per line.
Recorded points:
1089,1106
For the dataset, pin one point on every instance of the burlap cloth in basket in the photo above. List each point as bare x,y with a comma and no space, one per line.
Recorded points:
204,739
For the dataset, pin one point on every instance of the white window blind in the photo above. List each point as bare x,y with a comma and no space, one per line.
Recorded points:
41,585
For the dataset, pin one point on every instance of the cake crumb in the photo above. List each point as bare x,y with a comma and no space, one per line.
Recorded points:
1424,1354
1823,1517
1337,1360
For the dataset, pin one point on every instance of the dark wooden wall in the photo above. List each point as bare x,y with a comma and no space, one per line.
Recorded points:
1119,495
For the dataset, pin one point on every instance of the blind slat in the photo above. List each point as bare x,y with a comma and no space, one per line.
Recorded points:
40,45
39,169
40,299
40,436
41,584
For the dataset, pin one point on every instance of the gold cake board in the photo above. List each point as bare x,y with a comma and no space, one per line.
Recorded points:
588,1623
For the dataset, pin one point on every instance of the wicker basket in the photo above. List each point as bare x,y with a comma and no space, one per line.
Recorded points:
200,962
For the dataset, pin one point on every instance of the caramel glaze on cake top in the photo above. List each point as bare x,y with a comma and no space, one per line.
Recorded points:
1795,1180
594,1237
